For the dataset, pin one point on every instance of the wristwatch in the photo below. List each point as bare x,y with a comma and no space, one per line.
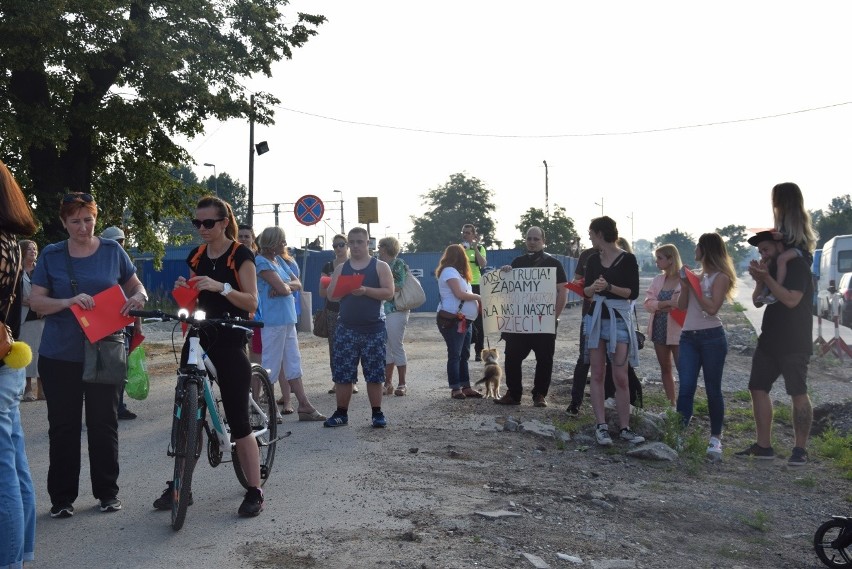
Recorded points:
226,289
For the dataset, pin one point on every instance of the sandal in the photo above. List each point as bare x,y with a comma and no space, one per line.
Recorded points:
400,390
457,394
388,388
287,411
312,416
281,401
471,393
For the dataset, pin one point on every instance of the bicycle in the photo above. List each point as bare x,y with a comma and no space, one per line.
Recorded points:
833,542
195,395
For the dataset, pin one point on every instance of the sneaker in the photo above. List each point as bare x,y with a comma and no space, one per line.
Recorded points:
714,449
164,502
507,399
354,389
798,458
336,420
62,511
252,503
539,401
758,452
110,505
379,421
626,434
126,414
602,435
609,403
478,358
573,409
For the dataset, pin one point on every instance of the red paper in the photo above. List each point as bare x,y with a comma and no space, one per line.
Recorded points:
185,296
325,280
577,286
105,318
135,340
693,280
679,316
346,284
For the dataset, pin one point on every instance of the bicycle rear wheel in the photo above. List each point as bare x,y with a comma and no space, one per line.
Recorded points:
263,418
186,446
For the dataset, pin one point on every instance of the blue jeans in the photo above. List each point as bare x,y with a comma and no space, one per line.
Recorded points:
458,352
705,350
17,496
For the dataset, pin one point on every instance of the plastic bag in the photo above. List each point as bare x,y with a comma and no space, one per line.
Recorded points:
137,375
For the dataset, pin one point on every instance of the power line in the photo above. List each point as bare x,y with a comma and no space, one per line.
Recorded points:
567,135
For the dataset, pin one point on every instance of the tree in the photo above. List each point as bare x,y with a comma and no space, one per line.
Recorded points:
559,232
459,201
836,221
93,92
736,240
231,191
684,242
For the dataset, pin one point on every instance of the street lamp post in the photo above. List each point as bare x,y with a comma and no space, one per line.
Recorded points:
342,224
546,198
600,204
632,238
215,178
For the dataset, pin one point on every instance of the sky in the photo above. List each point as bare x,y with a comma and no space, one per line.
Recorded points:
660,115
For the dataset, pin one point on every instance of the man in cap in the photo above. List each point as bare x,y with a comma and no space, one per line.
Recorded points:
784,347
117,235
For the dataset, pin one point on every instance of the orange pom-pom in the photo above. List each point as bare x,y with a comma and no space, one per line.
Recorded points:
20,356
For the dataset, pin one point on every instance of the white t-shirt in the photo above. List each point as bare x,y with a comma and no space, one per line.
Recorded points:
449,302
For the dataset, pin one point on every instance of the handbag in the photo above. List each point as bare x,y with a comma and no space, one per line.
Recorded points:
640,340
105,361
410,295
321,323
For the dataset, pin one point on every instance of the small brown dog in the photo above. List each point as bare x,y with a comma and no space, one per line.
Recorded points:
492,374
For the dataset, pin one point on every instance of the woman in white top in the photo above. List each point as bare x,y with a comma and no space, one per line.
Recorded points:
703,344
456,313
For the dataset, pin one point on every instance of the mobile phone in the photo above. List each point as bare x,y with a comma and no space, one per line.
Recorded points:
683,272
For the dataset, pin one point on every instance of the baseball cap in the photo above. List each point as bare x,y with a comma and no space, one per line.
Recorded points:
113,232
760,237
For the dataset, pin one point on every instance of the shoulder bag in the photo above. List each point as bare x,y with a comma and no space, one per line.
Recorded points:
321,323
410,295
105,361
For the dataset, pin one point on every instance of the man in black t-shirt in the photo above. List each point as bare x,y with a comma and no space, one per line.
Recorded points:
519,346
783,348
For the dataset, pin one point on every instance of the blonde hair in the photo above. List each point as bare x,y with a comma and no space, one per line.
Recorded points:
715,258
670,251
791,217
391,245
270,238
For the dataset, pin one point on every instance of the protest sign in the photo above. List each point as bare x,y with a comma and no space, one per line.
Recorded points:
519,300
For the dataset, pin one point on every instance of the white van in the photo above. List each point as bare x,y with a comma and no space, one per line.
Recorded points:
835,261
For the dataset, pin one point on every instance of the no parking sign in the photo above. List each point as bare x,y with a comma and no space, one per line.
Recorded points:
309,210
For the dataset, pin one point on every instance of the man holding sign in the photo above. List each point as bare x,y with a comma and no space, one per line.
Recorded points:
537,282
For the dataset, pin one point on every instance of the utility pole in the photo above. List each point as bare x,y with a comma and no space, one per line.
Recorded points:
250,213
546,197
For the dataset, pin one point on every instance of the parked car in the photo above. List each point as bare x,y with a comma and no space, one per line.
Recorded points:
844,300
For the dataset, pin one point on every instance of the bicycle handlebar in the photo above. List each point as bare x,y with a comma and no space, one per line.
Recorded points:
226,322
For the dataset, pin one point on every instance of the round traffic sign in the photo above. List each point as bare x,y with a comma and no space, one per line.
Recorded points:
309,210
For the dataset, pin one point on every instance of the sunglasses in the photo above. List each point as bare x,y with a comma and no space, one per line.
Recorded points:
70,198
339,245
207,223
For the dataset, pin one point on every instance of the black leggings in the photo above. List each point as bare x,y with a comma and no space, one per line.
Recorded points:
227,350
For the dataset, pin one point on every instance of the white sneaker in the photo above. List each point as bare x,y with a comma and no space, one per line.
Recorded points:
627,435
602,435
609,403
714,450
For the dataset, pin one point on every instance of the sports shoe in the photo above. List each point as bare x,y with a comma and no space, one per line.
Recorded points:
110,505
714,449
379,421
602,435
798,458
164,502
758,452
126,414
336,420
539,401
626,434
478,358
573,409
62,511
252,503
507,399
609,403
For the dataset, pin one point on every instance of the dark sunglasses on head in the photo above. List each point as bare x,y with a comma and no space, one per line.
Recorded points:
207,223
339,245
70,198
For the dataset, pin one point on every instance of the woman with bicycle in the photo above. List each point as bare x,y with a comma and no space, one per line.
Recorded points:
223,271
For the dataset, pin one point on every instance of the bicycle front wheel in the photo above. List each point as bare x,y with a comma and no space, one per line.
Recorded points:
263,418
187,444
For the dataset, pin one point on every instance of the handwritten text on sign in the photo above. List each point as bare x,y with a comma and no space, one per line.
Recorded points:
519,300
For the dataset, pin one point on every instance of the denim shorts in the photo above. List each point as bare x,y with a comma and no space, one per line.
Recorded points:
621,334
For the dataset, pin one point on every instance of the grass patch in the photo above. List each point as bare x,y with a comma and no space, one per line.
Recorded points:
783,412
738,307
806,481
831,444
655,400
742,395
758,521
700,407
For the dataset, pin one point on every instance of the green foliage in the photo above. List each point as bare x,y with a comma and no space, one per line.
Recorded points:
742,395
93,95
560,236
838,447
459,201
736,240
738,307
758,521
836,221
684,242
